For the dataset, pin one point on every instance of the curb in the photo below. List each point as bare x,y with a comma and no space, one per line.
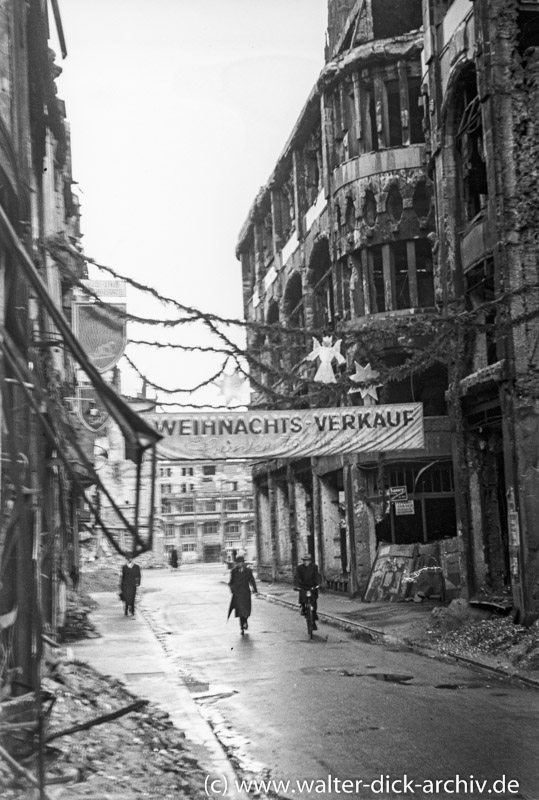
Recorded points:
381,637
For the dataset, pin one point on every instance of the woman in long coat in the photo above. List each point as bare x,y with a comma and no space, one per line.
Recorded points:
241,582
129,584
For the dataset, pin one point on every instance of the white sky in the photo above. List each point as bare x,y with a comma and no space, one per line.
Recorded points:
179,110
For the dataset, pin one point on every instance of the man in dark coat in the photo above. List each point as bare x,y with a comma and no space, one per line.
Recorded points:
306,577
241,581
129,584
173,559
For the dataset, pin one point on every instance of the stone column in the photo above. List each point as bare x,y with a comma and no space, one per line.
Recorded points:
329,514
302,520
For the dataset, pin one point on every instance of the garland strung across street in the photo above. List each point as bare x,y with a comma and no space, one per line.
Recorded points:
261,363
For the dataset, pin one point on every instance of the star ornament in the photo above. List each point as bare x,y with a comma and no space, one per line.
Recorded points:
367,376
233,387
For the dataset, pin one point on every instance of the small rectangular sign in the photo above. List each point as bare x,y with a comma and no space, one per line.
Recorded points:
398,492
403,508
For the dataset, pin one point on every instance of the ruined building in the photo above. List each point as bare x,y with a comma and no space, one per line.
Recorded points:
400,220
46,446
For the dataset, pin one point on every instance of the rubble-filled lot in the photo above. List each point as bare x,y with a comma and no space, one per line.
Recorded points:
486,637
140,754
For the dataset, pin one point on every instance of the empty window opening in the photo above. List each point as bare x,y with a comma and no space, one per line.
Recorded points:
415,103
470,145
402,281
394,119
424,273
421,200
395,17
378,282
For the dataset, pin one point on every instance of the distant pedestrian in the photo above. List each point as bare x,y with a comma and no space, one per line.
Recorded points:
129,584
241,582
173,559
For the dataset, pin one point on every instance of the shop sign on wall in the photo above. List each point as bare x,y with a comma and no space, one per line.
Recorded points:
289,434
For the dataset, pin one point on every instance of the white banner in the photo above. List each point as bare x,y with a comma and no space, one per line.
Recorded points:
288,434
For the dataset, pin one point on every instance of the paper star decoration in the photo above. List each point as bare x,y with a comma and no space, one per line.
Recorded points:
327,353
365,375
233,387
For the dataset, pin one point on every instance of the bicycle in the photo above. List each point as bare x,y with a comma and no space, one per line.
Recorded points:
308,609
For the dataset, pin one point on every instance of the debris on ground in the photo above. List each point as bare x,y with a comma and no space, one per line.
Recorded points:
77,624
475,632
140,753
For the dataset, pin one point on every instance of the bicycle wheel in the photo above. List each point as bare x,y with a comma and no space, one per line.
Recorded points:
309,619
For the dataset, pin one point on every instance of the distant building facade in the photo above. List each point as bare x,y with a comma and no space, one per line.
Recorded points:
206,509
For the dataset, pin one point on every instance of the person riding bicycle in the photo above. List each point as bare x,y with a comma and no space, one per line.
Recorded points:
307,577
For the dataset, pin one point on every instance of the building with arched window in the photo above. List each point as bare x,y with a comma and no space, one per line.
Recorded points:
400,222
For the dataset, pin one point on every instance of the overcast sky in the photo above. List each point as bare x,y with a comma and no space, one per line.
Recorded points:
179,110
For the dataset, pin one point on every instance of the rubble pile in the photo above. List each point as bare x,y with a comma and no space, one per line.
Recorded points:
495,637
140,754
77,625
100,578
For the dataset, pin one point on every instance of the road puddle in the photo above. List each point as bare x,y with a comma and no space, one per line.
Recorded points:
388,677
195,686
462,686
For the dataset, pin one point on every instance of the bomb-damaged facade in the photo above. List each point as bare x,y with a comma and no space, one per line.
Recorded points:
400,220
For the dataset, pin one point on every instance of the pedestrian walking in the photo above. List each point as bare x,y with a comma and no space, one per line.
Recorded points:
129,584
173,559
241,582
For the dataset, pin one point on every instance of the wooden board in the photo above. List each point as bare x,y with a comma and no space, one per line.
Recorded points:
392,562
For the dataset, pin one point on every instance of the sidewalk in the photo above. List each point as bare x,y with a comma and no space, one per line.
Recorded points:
129,650
399,623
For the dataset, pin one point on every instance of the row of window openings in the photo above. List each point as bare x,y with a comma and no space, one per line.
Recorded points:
391,116
169,488
385,124
192,547
386,118
208,529
189,507
166,472
389,277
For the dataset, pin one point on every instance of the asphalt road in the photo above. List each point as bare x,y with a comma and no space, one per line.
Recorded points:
336,709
